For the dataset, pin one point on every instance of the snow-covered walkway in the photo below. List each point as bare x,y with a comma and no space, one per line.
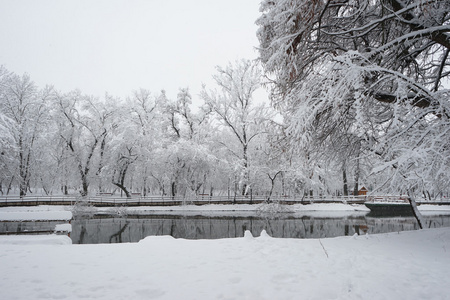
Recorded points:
406,265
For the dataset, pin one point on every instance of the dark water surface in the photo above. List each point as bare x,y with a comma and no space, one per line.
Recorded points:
106,229
27,227
132,228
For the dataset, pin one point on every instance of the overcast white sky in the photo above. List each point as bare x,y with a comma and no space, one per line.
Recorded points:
117,46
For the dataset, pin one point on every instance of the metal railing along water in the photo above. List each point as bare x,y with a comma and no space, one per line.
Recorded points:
164,200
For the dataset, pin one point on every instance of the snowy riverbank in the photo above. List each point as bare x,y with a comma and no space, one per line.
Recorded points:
54,212
33,213
405,265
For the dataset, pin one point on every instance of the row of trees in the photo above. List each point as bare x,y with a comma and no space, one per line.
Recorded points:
64,142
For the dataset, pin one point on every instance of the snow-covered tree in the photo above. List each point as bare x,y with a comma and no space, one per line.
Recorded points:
23,115
138,135
363,81
237,111
6,140
270,161
186,162
84,124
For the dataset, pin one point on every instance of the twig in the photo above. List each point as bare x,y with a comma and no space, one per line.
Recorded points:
323,248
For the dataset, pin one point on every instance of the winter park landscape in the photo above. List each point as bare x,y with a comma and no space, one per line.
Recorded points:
225,150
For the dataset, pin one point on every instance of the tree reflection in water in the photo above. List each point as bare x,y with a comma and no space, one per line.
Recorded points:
108,229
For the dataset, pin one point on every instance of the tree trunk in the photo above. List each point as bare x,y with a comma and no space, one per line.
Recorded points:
272,181
123,188
174,189
245,178
356,188
22,173
9,186
23,184
144,189
416,212
272,184
121,182
236,188
84,186
100,165
344,177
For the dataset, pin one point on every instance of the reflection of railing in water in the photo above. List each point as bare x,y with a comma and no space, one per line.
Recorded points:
137,200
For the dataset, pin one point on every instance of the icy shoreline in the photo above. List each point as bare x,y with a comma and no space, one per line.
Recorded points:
64,213
405,265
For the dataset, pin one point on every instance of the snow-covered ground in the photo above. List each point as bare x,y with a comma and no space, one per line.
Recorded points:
322,209
405,265
252,208
53,212
32,213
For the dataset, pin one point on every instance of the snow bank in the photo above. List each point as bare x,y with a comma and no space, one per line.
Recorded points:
35,213
253,207
431,208
63,228
43,212
406,265
243,208
52,239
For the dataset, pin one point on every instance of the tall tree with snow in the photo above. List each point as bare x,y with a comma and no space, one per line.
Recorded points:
84,124
142,129
370,75
23,117
235,108
187,160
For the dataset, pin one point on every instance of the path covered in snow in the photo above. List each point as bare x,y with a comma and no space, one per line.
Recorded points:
406,265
